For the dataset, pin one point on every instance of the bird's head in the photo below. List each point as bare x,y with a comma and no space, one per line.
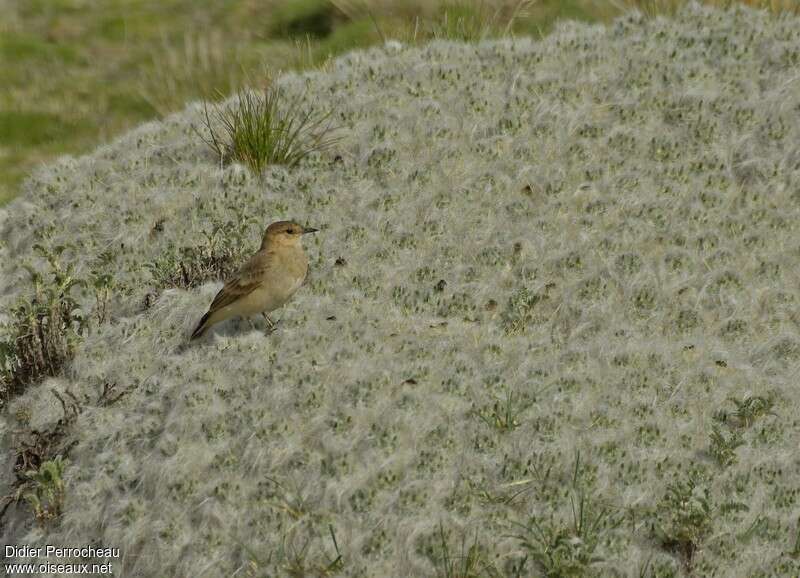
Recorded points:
284,233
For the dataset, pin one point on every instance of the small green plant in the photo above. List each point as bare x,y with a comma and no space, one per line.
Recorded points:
36,448
47,495
268,127
44,329
684,517
103,285
723,446
727,434
519,311
749,409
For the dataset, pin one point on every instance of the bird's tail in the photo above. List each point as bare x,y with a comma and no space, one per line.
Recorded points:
201,326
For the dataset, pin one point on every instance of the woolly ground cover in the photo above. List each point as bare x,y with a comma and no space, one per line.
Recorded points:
552,277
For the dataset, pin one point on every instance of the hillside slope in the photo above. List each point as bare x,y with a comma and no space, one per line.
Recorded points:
549,273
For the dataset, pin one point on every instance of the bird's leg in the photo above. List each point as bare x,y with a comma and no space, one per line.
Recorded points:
269,322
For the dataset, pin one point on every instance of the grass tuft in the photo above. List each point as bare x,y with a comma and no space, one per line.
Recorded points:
566,546
296,561
267,128
504,414
470,562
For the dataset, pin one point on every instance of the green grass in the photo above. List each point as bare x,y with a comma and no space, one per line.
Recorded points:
29,47
266,128
469,561
32,128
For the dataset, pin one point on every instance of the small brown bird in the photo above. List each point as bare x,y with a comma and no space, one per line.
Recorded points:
266,281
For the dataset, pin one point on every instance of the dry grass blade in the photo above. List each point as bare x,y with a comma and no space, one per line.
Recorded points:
475,21
198,66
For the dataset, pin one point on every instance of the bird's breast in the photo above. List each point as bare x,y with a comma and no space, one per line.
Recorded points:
289,274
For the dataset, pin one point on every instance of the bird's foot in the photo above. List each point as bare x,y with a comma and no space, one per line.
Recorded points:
271,326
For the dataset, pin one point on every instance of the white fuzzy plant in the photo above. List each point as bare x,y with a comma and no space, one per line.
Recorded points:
552,278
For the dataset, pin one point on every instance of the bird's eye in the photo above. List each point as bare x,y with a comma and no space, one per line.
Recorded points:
290,231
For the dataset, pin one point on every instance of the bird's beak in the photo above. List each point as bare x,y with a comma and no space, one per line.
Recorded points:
309,230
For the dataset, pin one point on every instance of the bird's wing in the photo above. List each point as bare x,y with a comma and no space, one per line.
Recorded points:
244,282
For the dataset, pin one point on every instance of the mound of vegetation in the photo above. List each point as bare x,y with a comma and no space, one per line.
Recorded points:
550,326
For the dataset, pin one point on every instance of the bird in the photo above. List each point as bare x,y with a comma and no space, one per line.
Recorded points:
266,282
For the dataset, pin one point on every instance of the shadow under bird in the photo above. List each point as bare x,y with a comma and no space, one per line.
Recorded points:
266,282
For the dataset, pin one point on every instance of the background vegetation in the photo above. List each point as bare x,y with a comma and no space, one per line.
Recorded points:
74,73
